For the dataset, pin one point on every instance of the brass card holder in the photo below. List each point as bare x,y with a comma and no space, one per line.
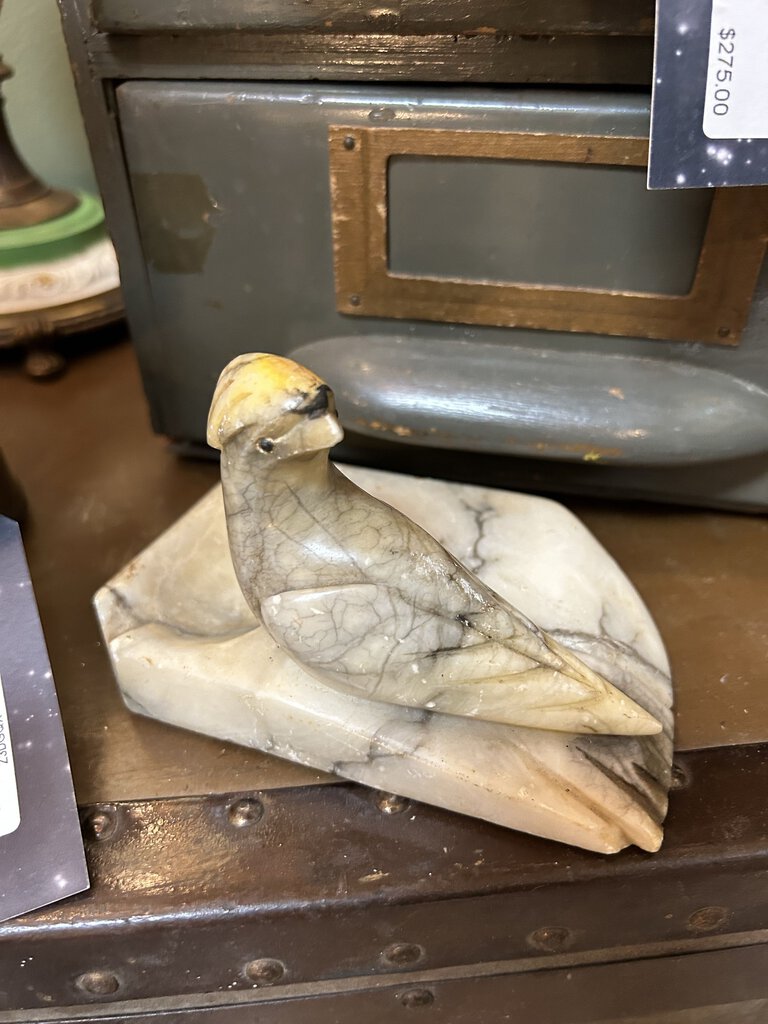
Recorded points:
714,310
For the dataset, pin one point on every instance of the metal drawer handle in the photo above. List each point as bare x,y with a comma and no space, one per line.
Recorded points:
574,406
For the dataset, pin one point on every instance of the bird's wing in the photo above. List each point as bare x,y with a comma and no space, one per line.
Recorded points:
370,640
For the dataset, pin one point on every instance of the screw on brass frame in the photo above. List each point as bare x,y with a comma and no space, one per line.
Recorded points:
349,142
401,953
97,983
246,811
354,300
390,803
416,997
551,939
264,971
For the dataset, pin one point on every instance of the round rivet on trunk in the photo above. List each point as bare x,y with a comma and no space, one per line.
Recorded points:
401,953
100,823
551,939
415,997
97,983
708,919
390,803
264,971
680,777
245,812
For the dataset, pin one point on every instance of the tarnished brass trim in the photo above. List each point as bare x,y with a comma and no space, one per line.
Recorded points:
714,310
53,203
68,318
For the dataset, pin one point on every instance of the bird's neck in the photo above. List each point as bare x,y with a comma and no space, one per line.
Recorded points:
258,480
261,495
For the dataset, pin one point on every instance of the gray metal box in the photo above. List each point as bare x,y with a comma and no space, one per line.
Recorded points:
243,207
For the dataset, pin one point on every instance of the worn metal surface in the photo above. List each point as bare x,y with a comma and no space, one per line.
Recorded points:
672,990
536,60
484,17
266,280
416,39
186,895
595,42
382,999
713,309
526,402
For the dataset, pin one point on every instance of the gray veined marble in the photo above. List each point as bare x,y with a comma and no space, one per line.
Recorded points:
363,598
356,644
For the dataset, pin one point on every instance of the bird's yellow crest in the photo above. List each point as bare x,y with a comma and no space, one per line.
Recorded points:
256,388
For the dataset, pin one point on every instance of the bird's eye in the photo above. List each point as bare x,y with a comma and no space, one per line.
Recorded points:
265,444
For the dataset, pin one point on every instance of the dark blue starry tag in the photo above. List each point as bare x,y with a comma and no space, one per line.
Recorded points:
709,112
41,850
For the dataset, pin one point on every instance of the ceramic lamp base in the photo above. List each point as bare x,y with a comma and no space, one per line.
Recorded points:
57,278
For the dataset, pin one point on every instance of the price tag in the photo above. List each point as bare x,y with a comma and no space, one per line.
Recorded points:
9,791
709,111
41,847
736,101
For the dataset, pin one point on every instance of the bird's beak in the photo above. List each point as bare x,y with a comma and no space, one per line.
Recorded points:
317,429
323,432
318,403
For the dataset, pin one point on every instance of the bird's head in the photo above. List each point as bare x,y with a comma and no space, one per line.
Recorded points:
273,405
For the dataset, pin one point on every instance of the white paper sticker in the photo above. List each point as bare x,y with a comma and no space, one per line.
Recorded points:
736,101
10,818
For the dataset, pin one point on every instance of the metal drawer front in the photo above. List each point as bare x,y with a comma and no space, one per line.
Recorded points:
236,195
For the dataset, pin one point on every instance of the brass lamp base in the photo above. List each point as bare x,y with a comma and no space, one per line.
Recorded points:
24,199
51,203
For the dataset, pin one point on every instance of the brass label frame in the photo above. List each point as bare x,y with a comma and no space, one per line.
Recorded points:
714,310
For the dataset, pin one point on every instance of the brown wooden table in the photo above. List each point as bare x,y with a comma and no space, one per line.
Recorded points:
100,487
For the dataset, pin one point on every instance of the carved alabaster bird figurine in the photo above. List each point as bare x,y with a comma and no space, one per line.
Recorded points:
363,598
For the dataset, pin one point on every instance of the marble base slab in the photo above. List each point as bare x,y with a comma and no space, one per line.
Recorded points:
186,649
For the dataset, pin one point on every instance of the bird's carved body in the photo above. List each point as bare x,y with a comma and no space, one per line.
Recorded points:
318,529
368,601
